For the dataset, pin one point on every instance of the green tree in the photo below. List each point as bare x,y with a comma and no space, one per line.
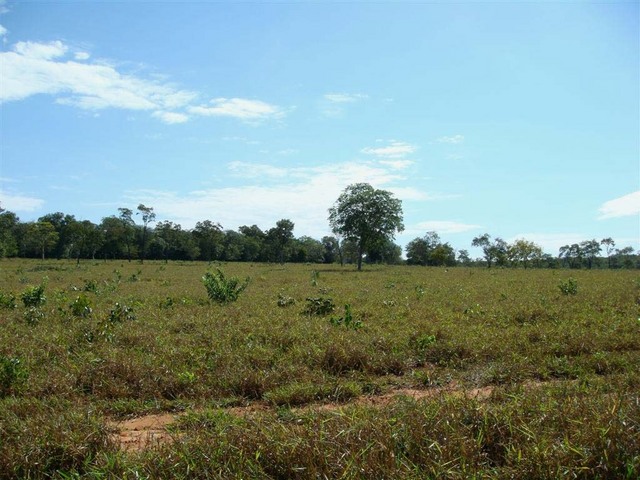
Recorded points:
280,238
367,216
148,216
331,249
128,229
209,237
495,252
591,249
464,258
524,252
609,245
64,226
9,222
42,236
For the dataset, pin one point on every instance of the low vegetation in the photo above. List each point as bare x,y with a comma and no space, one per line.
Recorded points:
523,373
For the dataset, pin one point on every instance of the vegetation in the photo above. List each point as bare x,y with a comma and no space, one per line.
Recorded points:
425,372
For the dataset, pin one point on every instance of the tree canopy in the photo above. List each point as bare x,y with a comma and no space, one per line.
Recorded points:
367,216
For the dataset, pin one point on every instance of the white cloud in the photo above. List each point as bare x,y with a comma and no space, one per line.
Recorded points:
36,68
624,206
3,31
452,139
19,203
345,97
393,150
41,51
81,56
397,164
445,226
241,108
302,194
171,117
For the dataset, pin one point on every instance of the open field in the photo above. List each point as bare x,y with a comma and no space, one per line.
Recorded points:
428,373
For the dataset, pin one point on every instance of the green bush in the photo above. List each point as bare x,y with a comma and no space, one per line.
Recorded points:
221,289
33,296
11,373
7,300
568,286
319,306
81,307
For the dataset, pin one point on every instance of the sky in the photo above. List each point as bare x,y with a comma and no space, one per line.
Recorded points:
517,119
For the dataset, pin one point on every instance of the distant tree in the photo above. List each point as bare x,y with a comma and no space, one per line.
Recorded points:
464,258
170,242
420,250
385,252
366,216
523,252
591,249
9,222
148,216
331,249
43,237
209,237
307,249
279,238
494,252
128,229
609,245
443,255
64,225
624,258
572,255
254,244
86,239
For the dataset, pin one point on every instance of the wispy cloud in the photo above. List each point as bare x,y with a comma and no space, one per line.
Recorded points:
3,31
345,97
240,108
452,139
393,150
171,117
624,206
53,68
19,203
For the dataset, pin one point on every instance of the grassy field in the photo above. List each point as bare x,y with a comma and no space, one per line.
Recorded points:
319,371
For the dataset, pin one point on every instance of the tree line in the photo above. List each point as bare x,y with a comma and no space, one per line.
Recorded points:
364,221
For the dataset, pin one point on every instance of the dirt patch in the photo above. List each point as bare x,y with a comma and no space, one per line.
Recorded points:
143,432
150,430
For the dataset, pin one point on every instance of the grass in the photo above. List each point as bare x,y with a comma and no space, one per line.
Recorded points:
115,340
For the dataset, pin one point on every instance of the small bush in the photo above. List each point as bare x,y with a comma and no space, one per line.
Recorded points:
347,320
81,307
11,373
221,289
33,296
7,300
285,300
120,313
568,286
319,306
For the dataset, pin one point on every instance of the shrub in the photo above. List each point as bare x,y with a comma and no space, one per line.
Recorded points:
319,306
347,320
120,313
81,307
568,286
11,373
33,296
221,289
7,300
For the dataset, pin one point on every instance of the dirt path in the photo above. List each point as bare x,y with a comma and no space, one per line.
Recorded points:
147,431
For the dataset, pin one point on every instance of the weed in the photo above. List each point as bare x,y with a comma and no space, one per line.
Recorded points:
7,300
91,286
120,313
347,320
319,306
221,289
81,307
34,296
33,315
568,286
285,300
315,276
11,374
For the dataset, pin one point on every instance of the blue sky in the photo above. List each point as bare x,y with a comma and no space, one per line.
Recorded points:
517,119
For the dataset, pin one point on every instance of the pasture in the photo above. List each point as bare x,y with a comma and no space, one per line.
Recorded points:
318,371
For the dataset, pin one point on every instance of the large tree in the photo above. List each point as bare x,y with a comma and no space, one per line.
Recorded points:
367,216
